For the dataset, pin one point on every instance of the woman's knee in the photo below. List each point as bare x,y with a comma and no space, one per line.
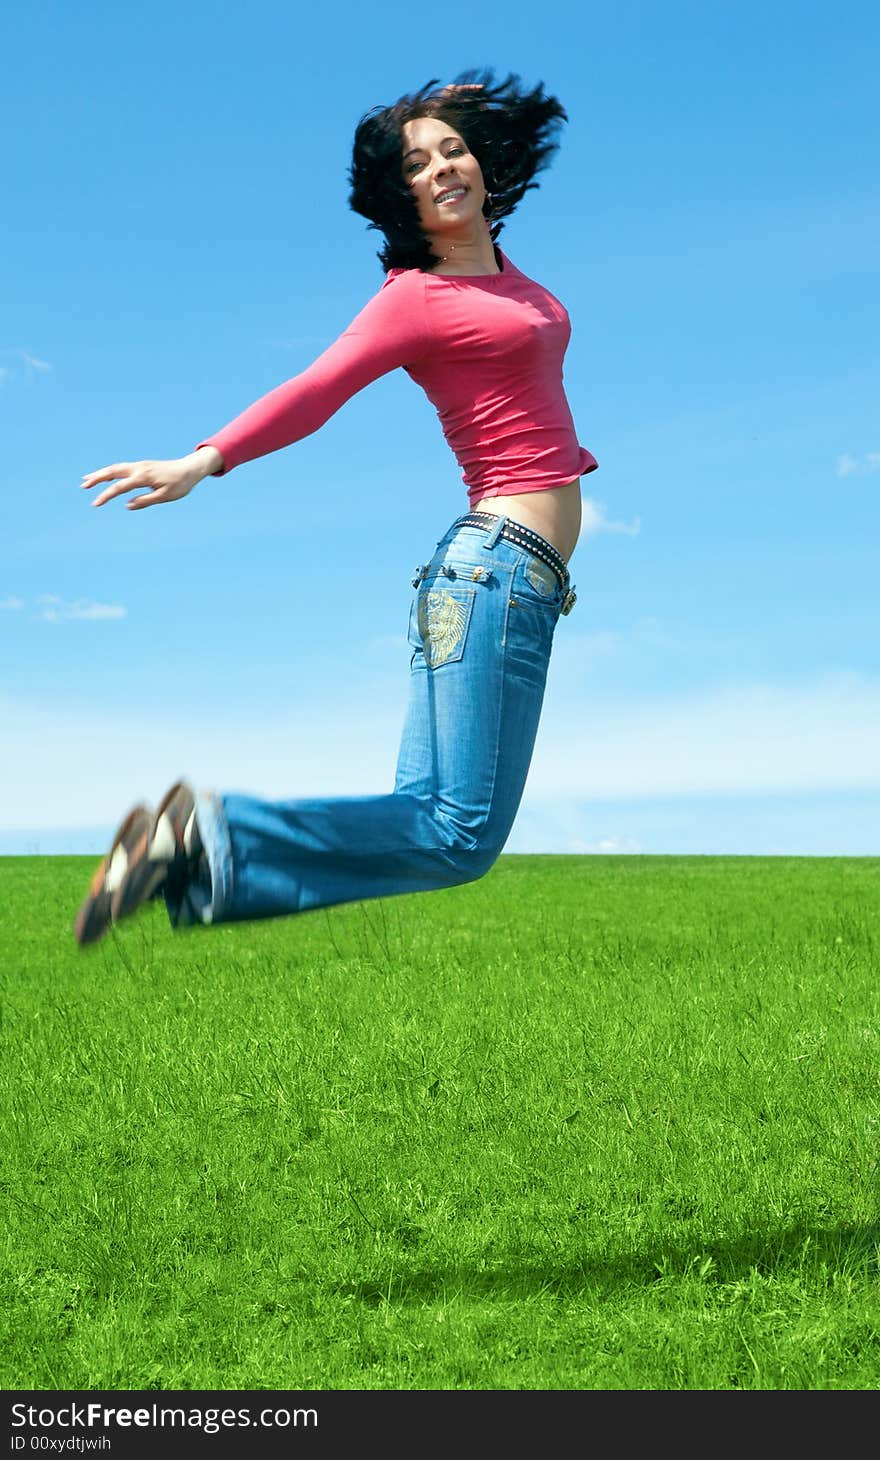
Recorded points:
482,861
472,857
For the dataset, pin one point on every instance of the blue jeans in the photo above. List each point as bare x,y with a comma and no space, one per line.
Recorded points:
480,633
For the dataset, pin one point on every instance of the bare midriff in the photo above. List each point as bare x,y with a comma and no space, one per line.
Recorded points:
554,513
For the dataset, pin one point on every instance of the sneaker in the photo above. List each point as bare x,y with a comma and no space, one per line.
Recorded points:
171,851
131,840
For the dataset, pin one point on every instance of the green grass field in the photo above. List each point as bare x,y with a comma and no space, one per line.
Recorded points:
590,1123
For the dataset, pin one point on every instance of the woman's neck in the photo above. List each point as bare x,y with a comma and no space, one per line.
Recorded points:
465,255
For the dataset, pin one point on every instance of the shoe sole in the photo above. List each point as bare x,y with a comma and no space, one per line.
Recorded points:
95,915
165,842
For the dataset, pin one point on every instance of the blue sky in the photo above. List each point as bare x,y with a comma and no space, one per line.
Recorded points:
177,241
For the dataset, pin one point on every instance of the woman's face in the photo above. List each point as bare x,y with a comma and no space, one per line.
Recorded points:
443,174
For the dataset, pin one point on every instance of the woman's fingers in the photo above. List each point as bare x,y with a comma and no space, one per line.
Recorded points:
123,475
157,481
91,478
169,489
147,500
126,484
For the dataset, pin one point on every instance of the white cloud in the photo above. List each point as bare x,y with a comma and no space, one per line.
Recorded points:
751,737
24,363
608,845
560,826
51,609
80,767
645,639
848,466
380,643
737,739
54,609
595,520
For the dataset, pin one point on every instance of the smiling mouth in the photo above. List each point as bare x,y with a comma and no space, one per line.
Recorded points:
452,195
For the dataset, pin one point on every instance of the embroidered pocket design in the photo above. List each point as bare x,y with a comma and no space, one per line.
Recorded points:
443,621
541,578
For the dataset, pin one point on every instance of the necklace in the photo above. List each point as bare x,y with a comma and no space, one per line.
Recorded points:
454,246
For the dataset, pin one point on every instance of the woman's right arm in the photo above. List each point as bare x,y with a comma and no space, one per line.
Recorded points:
390,331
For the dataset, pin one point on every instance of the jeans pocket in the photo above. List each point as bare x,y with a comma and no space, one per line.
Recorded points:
541,578
440,621
536,589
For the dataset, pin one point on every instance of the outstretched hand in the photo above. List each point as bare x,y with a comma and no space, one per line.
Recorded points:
161,481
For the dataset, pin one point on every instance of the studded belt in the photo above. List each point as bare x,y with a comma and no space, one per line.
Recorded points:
522,536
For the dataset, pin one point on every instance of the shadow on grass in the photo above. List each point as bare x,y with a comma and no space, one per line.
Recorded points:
801,1251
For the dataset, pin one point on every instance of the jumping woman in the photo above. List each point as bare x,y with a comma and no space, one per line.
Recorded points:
436,174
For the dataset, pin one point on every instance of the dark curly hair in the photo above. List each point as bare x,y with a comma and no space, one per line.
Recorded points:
512,132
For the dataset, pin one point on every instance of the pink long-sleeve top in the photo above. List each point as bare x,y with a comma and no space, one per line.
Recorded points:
487,350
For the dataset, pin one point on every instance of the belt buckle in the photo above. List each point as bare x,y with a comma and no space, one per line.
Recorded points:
569,599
